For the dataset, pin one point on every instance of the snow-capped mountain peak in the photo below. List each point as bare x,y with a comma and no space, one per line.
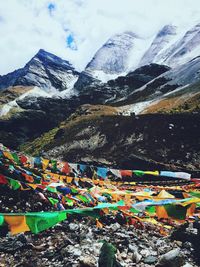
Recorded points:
112,57
164,38
115,58
184,49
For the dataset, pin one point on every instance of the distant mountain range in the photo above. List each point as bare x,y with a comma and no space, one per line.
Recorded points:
129,73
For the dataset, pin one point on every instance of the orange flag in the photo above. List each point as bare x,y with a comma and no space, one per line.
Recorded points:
17,224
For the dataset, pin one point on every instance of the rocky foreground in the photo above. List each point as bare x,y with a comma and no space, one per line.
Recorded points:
109,225
80,243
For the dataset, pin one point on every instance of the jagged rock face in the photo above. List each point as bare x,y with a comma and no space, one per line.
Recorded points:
178,77
164,36
122,86
85,79
38,115
45,71
139,77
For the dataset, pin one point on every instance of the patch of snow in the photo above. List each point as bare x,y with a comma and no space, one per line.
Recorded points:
104,77
136,108
175,91
69,91
7,107
35,92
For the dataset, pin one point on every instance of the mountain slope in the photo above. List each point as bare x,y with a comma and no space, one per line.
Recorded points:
32,99
184,99
178,77
99,134
114,90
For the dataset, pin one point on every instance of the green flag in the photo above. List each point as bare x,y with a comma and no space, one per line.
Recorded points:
176,211
42,221
1,219
53,200
16,158
14,184
138,173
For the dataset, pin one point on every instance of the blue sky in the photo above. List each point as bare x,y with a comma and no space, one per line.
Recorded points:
76,29
71,42
51,7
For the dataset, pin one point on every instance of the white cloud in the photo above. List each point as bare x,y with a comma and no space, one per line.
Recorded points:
28,25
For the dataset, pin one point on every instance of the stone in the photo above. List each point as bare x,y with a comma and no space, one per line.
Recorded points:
96,248
136,256
122,236
132,248
77,252
150,260
87,261
179,243
145,252
73,227
115,227
187,245
173,258
123,255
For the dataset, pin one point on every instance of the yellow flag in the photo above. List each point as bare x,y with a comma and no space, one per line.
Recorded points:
45,163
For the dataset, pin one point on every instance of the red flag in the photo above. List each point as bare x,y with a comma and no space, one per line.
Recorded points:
3,179
66,168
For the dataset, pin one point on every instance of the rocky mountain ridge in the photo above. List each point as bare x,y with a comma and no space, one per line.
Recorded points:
44,70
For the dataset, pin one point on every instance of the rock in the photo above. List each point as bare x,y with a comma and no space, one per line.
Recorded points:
150,260
145,252
96,248
164,248
73,227
77,252
187,245
132,248
115,227
64,252
173,258
122,236
11,246
179,243
87,261
22,238
136,256
123,255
